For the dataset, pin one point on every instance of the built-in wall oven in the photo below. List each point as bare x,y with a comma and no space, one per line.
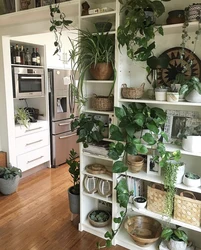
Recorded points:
62,105
28,82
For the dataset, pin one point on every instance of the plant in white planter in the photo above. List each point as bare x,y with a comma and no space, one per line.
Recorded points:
161,93
191,139
173,93
9,179
191,180
74,191
191,89
177,238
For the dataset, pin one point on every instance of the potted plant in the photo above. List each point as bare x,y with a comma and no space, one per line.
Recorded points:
22,117
191,180
9,179
191,89
191,138
138,29
161,93
173,93
74,191
177,238
88,128
95,56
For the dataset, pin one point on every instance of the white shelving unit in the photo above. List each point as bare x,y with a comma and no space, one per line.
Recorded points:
133,74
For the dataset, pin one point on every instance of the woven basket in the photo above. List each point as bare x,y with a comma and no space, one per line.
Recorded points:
156,197
135,163
3,159
187,208
132,93
103,103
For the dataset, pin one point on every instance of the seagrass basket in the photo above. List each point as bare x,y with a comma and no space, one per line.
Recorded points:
135,163
132,93
156,198
187,208
103,103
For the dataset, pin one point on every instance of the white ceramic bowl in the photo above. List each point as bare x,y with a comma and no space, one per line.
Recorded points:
139,202
191,182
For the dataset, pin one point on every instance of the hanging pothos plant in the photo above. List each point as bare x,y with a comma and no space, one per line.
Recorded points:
138,29
58,23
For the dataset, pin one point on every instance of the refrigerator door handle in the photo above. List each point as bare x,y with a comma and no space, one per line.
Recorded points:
67,136
71,96
64,124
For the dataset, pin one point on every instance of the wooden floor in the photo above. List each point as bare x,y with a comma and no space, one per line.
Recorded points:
37,216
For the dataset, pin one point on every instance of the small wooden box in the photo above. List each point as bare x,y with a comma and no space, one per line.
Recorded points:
3,159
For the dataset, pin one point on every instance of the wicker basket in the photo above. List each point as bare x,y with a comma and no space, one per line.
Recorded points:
103,103
187,208
132,93
135,163
3,159
156,198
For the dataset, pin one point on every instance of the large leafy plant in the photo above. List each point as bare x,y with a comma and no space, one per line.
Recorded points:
190,84
10,172
137,30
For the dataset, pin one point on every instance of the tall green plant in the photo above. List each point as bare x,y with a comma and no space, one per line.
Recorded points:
74,170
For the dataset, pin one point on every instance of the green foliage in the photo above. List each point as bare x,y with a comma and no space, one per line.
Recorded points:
134,118
169,161
88,129
58,23
137,31
99,216
91,49
10,172
22,117
192,176
74,170
190,84
175,234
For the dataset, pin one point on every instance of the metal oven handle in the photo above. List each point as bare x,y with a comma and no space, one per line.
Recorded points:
32,77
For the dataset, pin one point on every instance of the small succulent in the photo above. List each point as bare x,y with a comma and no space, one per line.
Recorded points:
99,216
192,176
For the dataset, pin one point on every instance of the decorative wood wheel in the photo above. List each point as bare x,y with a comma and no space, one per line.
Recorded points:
176,64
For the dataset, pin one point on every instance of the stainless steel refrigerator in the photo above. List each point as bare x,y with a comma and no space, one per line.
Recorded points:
61,106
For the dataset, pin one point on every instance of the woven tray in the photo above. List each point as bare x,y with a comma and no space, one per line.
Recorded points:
156,198
187,208
132,93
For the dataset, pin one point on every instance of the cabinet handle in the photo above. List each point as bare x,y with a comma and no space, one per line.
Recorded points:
35,159
33,142
33,129
66,136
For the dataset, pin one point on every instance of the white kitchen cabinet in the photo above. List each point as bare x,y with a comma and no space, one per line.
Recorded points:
134,74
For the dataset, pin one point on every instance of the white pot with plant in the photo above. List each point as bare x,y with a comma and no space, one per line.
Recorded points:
173,94
177,238
9,179
191,180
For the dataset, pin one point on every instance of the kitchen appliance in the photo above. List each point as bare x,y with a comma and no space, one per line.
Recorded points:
62,105
28,82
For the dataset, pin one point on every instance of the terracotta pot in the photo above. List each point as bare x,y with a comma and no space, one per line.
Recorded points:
102,71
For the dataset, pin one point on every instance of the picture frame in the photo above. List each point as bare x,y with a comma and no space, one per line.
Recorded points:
47,2
153,168
177,120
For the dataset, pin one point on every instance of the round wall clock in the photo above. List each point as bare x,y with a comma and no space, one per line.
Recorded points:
176,65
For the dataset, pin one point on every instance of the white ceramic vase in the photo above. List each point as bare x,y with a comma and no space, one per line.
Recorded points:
192,143
172,96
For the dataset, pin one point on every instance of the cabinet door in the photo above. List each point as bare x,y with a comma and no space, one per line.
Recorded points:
33,158
30,142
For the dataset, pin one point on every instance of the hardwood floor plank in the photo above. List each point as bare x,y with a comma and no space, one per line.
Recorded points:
37,216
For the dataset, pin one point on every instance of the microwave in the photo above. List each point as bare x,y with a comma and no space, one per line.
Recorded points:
28,82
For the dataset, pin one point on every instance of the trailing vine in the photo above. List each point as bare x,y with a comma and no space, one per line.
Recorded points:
58,23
